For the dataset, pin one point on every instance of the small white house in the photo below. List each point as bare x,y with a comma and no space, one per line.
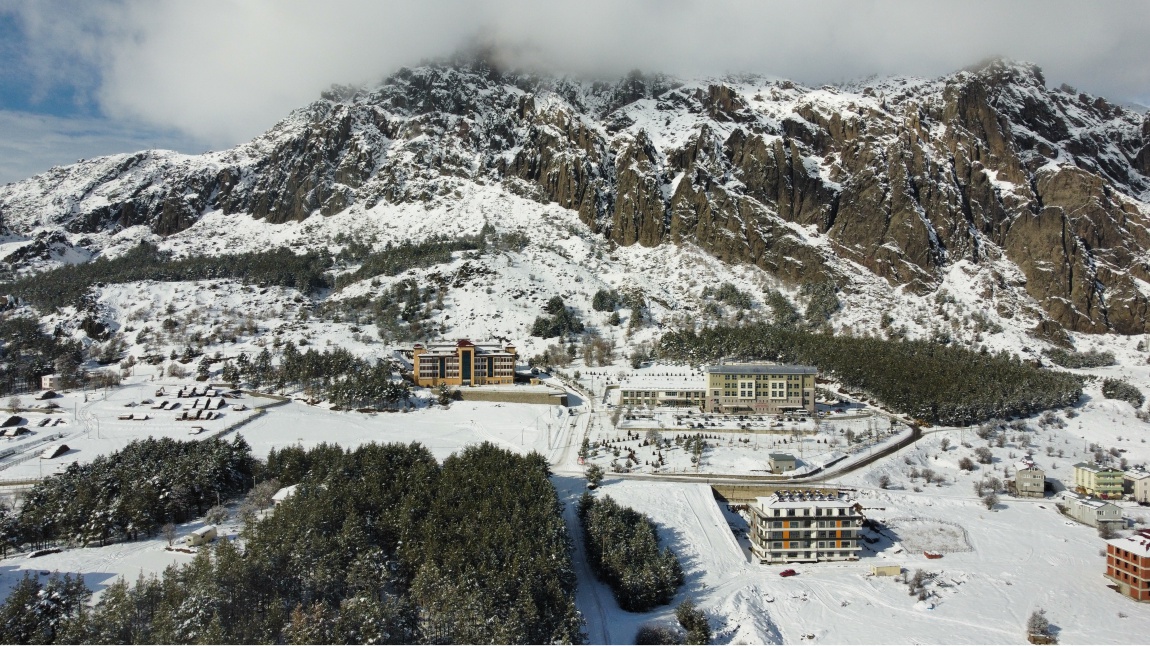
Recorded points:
284,494
782,462
201,536
1092,511
50,382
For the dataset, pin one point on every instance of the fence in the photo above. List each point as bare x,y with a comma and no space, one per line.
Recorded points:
260,412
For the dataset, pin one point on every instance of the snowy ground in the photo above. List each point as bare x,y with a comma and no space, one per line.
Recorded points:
1022,557
998,565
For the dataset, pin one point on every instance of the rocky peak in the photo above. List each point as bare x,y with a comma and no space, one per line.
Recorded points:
902,176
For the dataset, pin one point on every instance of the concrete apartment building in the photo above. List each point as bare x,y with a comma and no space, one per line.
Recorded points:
805,526
1029,480
1136,484
760,388
1101,482
1092,511
1128,564
463,363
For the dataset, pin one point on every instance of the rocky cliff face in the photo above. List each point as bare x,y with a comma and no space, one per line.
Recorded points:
900,177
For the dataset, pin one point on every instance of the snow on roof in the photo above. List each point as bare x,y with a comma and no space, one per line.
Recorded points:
1136,475
285,493
1086,501
1090,466
1138,543
761,369
804,500
204,531
665,380
1023,465
781,456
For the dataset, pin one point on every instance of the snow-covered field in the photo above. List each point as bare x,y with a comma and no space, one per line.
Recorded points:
1023,556
998,566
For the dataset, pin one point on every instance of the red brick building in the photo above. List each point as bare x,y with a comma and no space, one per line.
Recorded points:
1128,564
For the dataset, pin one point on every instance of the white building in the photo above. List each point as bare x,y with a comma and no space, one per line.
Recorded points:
1092,511
201,536
663,386
50,382
782,462
805,526
1136,484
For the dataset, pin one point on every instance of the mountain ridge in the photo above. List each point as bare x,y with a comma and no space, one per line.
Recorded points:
903,178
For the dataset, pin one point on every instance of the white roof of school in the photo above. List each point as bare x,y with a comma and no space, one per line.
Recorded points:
761,369
664,379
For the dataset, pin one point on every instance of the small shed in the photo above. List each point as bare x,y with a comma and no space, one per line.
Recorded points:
201,536
54,451
284,494
886,570
14,420
782,462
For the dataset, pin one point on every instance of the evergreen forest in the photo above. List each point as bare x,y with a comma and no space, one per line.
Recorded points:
623,549
380,544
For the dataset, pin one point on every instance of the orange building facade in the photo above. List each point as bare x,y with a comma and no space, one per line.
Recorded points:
1128,564
463,364
796,526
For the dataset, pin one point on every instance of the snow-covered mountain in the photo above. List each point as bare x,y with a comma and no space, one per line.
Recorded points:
1028,204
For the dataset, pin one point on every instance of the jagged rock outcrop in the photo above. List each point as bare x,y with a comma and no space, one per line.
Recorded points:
903,177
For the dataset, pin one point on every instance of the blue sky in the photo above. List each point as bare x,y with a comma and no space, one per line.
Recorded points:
48,120
81,79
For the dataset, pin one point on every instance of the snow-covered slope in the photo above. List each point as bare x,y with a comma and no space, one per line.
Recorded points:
1022,204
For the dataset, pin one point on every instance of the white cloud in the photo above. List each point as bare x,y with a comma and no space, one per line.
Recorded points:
224,70
33,143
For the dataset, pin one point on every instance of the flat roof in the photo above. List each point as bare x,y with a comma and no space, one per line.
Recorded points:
1138,543
774,502
664,379
761,369
1090,466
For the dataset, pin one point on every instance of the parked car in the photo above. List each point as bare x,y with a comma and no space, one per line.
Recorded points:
788,572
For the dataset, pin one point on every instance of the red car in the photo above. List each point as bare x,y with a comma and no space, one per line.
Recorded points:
788,572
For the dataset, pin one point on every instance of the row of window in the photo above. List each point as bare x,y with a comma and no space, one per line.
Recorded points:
778,556
766,377
807,545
